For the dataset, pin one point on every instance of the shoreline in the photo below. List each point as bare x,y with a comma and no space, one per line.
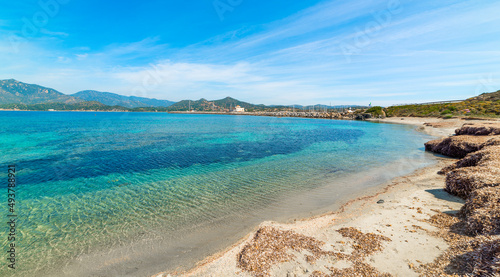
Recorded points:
375,218
401,199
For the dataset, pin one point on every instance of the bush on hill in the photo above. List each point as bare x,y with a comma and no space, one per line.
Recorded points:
376,111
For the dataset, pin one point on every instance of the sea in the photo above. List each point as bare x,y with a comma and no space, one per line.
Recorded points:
134,194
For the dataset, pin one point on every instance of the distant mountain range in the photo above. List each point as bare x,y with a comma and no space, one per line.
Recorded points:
19,95
112,99
15,92
215,105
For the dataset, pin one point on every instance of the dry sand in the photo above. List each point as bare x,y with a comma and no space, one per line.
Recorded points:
397,228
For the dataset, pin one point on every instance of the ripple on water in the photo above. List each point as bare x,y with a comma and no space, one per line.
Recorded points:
87,189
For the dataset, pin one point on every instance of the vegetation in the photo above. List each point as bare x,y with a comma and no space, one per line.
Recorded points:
15,92
21,96
112,99
82,106
376,111
485,105
216,105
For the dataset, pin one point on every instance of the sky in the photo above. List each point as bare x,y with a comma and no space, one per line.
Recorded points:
264,52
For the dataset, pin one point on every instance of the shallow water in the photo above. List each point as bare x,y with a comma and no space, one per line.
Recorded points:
110,194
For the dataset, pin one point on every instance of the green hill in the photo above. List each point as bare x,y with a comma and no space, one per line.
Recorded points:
215,105
490,96
113,99
12,91
80,106
484,105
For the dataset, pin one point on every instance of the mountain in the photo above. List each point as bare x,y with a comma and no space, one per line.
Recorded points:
152,102
112,99
80,106
214,105
12,91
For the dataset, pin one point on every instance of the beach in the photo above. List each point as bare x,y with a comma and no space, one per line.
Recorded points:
395,230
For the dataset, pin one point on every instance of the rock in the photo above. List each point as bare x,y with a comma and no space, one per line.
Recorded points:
481,212
380,201
479,129
458,146
477,170
363,116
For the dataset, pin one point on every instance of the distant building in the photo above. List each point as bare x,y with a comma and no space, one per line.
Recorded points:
239,109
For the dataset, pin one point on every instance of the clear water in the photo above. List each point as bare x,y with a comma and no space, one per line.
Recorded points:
89,183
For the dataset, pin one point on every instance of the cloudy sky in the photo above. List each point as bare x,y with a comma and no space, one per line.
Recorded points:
271,52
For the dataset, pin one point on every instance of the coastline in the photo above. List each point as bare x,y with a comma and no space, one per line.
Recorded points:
408,201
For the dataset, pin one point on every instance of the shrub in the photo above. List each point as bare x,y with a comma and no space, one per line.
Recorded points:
376,111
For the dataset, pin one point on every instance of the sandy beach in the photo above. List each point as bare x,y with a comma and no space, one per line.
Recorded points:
397,231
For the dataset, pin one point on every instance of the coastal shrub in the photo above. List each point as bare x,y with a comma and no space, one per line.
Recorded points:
448,116
474,107
376,111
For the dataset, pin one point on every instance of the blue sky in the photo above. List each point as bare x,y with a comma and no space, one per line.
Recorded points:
271,52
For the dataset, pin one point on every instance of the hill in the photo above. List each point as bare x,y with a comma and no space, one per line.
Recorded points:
12,91
80,106
113,99
214,105
484,105
489,96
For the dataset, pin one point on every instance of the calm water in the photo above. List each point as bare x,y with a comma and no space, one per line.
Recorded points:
128,185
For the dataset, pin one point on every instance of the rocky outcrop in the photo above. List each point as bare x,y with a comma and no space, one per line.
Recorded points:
458,146
484,260
477,170
481,212
363,116
476,178
479,129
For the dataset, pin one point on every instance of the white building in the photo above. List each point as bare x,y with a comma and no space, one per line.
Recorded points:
239,109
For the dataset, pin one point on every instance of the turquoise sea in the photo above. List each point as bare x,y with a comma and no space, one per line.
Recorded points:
131,194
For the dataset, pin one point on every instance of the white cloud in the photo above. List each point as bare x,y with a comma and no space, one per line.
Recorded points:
429,51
